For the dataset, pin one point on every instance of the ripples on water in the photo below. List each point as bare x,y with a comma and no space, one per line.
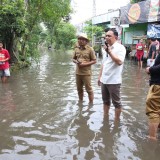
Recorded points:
40,118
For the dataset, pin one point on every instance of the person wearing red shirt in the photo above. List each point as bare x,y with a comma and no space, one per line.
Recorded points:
140,53
4,64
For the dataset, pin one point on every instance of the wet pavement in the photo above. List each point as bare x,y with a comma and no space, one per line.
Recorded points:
41,119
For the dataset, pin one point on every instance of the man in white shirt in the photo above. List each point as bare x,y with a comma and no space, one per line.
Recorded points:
110,77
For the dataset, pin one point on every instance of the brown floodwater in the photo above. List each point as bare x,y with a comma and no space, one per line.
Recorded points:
41,119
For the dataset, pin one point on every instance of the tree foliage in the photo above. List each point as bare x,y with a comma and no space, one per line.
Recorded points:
135,1
20,21
92,30
12,23
64,35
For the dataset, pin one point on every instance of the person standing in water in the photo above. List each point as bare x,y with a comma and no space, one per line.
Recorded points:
153,98
140,53
4,64
110,77
84,57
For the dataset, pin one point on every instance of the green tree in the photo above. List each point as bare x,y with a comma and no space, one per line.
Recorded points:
64,35
135,1
49,12
61,12
20,19
92,30
12,25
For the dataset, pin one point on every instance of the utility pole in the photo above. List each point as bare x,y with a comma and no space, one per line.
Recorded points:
94,8
93,15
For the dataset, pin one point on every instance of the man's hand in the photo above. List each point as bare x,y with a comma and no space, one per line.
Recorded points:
81,64
109,50
99,82
105,48
147,70
76,61
85,64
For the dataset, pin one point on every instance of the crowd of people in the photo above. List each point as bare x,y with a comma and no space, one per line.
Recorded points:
152,50
153,69
110,76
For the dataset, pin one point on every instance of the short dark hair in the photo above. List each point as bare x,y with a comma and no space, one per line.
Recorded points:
106,29
114,31
153,39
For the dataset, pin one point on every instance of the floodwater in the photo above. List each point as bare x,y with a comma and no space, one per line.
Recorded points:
41,119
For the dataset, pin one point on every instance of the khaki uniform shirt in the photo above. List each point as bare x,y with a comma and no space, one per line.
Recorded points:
85,54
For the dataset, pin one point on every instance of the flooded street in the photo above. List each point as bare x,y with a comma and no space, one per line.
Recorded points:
41,119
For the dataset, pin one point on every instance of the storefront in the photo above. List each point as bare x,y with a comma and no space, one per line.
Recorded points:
143,19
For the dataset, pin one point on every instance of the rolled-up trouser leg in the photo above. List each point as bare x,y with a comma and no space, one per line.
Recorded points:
153,104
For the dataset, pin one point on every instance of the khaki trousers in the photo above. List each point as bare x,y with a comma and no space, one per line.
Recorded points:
153,104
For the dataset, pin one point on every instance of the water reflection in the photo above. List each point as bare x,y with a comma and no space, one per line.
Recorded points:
41,119
106,140
7,100
78,129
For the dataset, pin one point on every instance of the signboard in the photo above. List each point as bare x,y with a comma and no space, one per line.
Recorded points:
142,12
115,21
153,31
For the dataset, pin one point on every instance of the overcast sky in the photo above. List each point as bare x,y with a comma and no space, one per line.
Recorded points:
84,8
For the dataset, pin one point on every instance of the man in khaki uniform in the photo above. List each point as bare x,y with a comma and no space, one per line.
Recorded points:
153,99
84,57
